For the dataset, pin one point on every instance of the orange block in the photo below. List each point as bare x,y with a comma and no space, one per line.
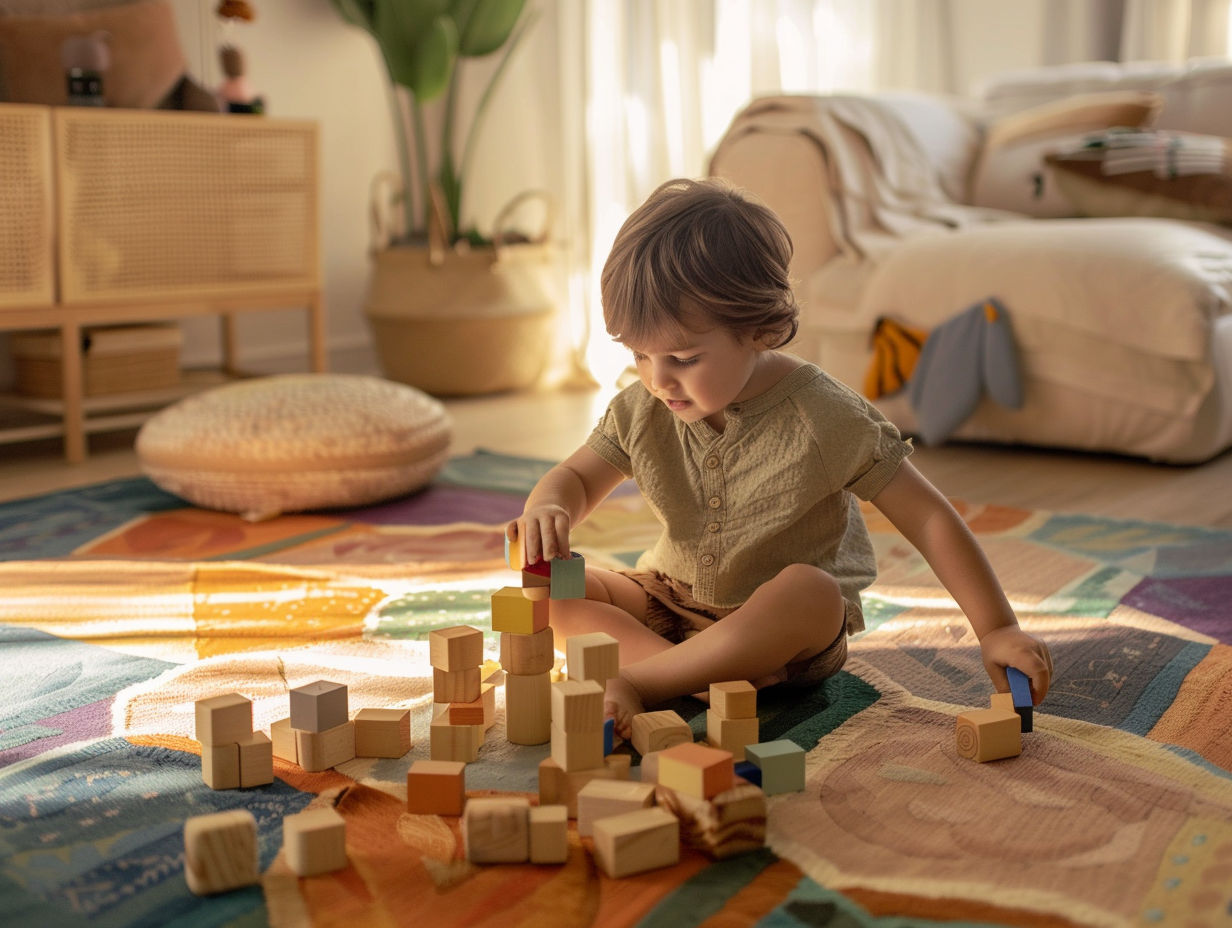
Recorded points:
696,770
436,787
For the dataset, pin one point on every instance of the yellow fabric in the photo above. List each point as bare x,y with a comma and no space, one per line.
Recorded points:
896,349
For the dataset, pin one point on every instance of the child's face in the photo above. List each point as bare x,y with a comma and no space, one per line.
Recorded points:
698,376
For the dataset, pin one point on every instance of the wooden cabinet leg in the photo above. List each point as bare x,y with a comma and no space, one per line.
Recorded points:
72,385
230,345
319,355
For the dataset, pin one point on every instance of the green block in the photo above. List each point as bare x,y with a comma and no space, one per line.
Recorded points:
781,764
568,577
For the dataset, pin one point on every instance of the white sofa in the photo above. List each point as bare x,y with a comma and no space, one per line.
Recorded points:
915,207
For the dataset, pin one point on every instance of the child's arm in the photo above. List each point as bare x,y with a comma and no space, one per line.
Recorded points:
930,523
562,498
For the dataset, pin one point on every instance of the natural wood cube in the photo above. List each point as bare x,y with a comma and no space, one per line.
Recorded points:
456,685
558,786
256,758
988,734
736,699
730,734
577,750
436,787
315,841
457,648
649,769
220,765
515,554
532,579
325,749
1002,701
528,708
481,711
454,742
577,705
518,610
318,707
594,656
382,732
601,798
696,769
729,823
496,830
220,852
656,731
487,695
636,842
282,736
528,654
549,834
223,719
781,763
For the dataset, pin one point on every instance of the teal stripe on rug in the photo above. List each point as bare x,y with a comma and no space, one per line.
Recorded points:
281,544
811,905
1161,692
490,471
707,892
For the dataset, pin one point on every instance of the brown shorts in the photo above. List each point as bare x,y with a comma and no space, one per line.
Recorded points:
673,613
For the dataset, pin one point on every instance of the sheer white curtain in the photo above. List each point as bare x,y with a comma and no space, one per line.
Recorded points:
1175,30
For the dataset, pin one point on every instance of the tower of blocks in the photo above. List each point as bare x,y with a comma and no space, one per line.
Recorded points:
232,754
319,733
465,705
731,720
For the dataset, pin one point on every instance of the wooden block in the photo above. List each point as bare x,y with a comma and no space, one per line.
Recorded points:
220,852
528,654
549,834
730,823
382,732
223,719
748,771
601,798
636,842
319,707
988,734
568,577
650,767
558,786
730,734
696,769
595,656
282,736
256,757
323,750
515,554
456,685
609,736
518,610
457,648
577,705
781,764
736,699
1002,701
436,787
454,742
487,695
577,750
314,841
220,765
530,578
466,713
657,731
528,708
496,830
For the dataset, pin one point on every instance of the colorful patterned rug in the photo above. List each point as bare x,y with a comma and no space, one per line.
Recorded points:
119,607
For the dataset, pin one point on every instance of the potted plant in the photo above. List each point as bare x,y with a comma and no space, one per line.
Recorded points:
452,312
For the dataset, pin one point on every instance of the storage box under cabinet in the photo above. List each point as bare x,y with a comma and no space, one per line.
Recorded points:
115,359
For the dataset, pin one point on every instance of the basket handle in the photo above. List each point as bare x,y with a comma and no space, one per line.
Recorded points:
439,230
385,189
502,218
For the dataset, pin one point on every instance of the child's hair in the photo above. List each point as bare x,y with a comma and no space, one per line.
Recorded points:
708,242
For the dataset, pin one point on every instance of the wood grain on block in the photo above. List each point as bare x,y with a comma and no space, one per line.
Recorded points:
223,719
382,732
436,787
318,707
577,750
696,769
781,763
282,736
531,578
556,786
456,648
256,760
1002,701
593,656
220,852
637,842
520,611
730,734
314,841
528,654
736,699
722,826
496,830
487,695
323,750
515,554
220,765
455,685
467,713
577,705
454,742
649,769
656,731
602,797
528,708
549,834
988,734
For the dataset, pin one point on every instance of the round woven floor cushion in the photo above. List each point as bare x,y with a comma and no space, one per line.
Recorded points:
296,442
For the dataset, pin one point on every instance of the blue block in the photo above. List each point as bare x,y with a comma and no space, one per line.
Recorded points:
609,735
1020,687
749,771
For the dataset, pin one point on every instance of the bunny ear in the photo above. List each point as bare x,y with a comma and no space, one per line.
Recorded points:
947,384
999,363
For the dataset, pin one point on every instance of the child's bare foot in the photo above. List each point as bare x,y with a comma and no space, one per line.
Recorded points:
621,702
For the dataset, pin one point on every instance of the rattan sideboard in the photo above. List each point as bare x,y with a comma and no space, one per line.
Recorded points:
117,216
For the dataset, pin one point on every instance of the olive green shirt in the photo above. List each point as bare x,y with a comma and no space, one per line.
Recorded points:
777,486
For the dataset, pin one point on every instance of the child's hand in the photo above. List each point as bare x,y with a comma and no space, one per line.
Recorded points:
1010,646
545,530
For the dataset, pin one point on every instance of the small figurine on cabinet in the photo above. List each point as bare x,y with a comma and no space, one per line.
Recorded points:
236,91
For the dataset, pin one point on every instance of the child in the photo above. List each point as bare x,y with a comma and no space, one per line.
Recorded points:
754,461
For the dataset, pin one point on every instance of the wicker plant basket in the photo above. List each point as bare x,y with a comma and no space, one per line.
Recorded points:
115,359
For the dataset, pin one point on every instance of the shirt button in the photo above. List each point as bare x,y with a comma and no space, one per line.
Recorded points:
712,461
707,559
715,502
735,409
712,527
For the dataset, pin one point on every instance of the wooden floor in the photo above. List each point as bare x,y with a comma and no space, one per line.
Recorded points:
551,425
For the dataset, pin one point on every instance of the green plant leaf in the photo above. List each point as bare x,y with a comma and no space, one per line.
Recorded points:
401,28
360,13
434,58
485,25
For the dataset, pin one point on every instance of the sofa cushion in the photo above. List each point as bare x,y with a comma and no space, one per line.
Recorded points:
295,442
1010,173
